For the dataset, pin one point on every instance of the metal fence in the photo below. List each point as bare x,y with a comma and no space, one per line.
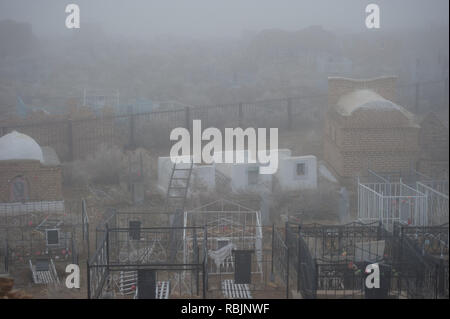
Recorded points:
280,259
413,261
75,139
390,203
78,138
437,201
126,244
421,261
30,232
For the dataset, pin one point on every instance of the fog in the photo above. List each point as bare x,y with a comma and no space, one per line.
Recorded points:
216,18
299,116
213,51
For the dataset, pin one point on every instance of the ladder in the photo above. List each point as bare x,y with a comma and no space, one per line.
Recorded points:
128,278
127,282
178,186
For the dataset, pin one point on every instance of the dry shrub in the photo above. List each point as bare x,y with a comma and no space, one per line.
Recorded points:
103,167
110,165
318,205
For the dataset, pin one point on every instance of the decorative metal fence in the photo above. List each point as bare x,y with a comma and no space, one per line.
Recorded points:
413,261
437,201
390,203
280,259
126,244
43,230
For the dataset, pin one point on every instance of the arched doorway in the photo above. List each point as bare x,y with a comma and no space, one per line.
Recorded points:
19,191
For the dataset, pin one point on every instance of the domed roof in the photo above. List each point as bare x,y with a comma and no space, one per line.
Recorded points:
18,146
368,99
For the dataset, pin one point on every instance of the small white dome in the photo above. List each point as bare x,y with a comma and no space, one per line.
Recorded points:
18,146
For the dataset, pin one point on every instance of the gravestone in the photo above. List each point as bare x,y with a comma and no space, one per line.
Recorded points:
243,266
385,283
135,230
138,191
146,284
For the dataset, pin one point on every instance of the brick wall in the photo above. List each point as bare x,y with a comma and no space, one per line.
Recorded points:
44,182
351,151
434,138
75,139
434,169
434,147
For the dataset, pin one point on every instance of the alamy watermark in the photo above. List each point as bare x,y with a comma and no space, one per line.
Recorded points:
73,19
373,277
73,279
221,149
373,17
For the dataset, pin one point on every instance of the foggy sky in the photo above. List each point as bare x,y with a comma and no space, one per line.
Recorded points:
198,18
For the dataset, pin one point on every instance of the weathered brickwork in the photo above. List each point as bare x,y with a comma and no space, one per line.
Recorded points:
434,146
44,183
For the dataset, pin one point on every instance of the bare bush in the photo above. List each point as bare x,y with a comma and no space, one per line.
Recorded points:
103,167
317,205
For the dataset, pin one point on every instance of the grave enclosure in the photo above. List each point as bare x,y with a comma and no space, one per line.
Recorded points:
330,261
43,238
213,251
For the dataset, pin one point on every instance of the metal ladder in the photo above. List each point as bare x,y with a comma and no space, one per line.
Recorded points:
128,278
127,281
178,187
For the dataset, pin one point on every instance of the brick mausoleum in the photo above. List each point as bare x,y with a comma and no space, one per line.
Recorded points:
28,173
365,129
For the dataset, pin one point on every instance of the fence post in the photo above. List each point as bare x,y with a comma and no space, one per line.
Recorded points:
205,263
197,286
436,281
70,140
107,248
440,278
273,241
286,225
445,88
289,113
88,279
287,273
417,96
241,115
380,225
3,130
132,141
188,118
299,258
316,279
6,257
88,242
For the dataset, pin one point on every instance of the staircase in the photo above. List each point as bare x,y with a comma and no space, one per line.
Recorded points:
178,186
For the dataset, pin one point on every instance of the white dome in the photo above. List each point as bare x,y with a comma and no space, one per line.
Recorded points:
18,146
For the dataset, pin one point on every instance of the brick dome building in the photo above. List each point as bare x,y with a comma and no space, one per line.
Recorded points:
28,173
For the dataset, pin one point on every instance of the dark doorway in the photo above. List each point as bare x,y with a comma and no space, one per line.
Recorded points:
243,266
135,230
19,190
146,284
